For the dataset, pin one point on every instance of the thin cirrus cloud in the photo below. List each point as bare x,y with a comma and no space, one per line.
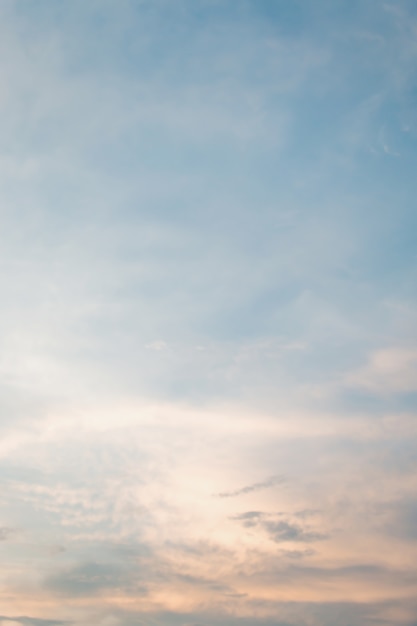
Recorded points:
208,363
265,484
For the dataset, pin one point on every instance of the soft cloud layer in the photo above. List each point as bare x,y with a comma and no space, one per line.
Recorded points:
208,264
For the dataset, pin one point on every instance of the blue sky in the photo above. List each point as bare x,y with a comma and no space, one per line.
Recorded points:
208,371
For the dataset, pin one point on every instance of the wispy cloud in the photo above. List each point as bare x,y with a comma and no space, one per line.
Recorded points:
279,527
265,484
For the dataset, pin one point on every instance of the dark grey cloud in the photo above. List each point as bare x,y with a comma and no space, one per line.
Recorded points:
266,484
279,530
283,530
248,519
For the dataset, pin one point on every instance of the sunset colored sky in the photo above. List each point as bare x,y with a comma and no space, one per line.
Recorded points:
208,320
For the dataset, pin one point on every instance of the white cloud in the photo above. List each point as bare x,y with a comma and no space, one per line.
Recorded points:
390,370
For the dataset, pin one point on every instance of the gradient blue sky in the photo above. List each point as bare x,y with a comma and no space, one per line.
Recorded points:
208,367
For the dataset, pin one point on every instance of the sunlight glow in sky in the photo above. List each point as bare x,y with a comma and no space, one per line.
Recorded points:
208,320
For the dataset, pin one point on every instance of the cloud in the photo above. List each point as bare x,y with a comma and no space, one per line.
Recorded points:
213,585
297,554
266,484
6,533
92,578
399,518
31,621
390,370
288,614
281,531
248,519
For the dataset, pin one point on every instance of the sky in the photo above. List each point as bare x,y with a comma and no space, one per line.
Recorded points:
208,320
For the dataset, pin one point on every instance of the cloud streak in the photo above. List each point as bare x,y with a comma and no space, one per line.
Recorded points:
265,484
